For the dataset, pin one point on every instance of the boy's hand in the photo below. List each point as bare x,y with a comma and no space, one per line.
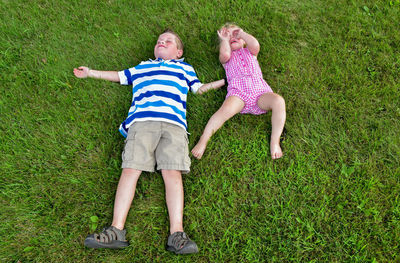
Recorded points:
81,72
224,34
212,85
202,89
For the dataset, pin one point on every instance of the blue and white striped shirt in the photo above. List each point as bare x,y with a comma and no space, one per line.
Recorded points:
160,89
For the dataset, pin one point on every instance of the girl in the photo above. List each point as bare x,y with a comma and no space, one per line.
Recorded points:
247,90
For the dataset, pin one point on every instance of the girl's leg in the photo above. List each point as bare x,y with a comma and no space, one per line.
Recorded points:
231,106
174,198
123,197
275,103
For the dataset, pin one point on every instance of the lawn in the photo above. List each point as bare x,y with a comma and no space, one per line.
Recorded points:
333,197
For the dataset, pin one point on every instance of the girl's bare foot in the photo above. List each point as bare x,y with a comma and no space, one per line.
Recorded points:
198,150
276,151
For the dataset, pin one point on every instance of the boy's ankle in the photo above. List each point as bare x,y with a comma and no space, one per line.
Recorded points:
119,227
173,230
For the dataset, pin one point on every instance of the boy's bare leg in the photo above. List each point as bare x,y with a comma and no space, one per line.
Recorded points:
174,199
178,241
124,196
231,106
275,103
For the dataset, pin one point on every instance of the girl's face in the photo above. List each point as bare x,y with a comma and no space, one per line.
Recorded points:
166,47
234,42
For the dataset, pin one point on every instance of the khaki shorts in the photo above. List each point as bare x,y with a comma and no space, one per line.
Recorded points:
153,142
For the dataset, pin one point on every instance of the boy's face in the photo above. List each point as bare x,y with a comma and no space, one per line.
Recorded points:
166,47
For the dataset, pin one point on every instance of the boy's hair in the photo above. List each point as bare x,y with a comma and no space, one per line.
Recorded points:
178,40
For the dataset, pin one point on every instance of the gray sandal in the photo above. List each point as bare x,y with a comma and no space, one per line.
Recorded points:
180,243
111,237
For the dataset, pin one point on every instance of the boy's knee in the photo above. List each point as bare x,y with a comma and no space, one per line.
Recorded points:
131,172
169,174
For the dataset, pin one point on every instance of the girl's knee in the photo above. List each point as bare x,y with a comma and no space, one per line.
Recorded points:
271,101
224,113
279,101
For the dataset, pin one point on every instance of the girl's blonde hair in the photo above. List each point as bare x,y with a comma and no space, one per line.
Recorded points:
229,25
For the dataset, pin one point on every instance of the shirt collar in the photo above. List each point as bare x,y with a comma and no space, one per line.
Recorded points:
173,60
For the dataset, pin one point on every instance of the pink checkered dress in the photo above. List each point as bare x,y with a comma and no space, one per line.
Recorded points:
245,80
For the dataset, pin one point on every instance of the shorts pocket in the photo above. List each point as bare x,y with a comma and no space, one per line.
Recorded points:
186,148
127,153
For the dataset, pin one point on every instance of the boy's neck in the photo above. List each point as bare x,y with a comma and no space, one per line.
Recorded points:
169,58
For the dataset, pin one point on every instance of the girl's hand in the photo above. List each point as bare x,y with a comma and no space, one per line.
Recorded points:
224,34
237,32
81,72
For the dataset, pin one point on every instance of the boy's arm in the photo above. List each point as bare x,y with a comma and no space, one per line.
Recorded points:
85,72
212,85
251,42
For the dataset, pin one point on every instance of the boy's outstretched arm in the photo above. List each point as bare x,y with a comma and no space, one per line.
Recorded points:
85,72
212,85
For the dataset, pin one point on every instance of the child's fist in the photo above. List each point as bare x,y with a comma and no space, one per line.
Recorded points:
237,32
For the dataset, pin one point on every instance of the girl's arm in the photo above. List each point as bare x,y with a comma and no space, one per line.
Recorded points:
212,85
224,47
252,43
85,72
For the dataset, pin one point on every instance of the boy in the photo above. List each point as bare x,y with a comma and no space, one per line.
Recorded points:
156,133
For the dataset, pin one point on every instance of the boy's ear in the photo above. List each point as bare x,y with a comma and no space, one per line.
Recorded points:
180,53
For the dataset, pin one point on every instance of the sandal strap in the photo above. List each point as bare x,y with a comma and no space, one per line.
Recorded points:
179,239
110,234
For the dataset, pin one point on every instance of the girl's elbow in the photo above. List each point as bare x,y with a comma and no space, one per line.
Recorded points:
223,58
255,49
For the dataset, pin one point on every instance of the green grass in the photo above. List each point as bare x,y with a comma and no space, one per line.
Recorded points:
333,197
